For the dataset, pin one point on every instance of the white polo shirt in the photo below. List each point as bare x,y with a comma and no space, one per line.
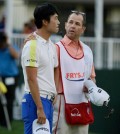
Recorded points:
41,54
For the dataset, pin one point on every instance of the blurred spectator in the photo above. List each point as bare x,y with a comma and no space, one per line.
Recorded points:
27,29
33,24
8,73
2,24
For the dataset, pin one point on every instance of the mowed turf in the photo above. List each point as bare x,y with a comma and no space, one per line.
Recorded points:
17,128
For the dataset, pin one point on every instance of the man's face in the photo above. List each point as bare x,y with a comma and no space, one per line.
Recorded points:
74,26
53,25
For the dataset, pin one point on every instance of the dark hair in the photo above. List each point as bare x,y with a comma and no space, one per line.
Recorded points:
79,13
44,12
3,37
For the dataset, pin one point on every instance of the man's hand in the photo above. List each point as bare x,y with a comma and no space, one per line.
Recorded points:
85,89
30,37
41,116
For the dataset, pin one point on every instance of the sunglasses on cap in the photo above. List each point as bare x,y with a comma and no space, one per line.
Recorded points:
78,12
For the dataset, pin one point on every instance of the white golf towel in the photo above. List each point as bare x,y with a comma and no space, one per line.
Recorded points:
40,128
97,96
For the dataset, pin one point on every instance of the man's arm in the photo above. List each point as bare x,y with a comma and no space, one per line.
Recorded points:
56,79
93,75
56,72
13,52
57,69
33,85
56,76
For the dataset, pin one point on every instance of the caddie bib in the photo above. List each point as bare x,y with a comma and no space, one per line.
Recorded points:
77,108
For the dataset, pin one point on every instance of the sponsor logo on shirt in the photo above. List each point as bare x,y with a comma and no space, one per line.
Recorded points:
32,60
75,76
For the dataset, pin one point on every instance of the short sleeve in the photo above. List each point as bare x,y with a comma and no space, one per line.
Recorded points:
30,55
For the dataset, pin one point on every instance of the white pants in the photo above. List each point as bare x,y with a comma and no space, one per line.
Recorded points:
60,126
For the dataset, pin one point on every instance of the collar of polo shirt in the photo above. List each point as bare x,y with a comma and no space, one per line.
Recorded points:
42,39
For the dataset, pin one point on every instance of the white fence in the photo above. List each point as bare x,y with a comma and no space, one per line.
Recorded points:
106,55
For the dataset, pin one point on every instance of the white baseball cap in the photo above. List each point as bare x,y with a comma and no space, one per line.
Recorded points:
97,96
40,128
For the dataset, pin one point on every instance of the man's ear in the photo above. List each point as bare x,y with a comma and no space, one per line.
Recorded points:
65,25
45,22
84,28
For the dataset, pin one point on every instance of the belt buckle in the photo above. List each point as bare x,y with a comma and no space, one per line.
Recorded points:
52,98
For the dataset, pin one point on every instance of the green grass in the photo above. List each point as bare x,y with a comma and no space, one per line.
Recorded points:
17,128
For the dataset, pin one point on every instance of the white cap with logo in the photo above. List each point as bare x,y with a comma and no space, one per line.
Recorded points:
40,128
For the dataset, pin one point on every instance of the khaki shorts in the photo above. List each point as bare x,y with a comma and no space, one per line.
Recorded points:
60,126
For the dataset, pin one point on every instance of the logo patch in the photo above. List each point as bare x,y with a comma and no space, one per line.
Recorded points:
75,112
32,60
